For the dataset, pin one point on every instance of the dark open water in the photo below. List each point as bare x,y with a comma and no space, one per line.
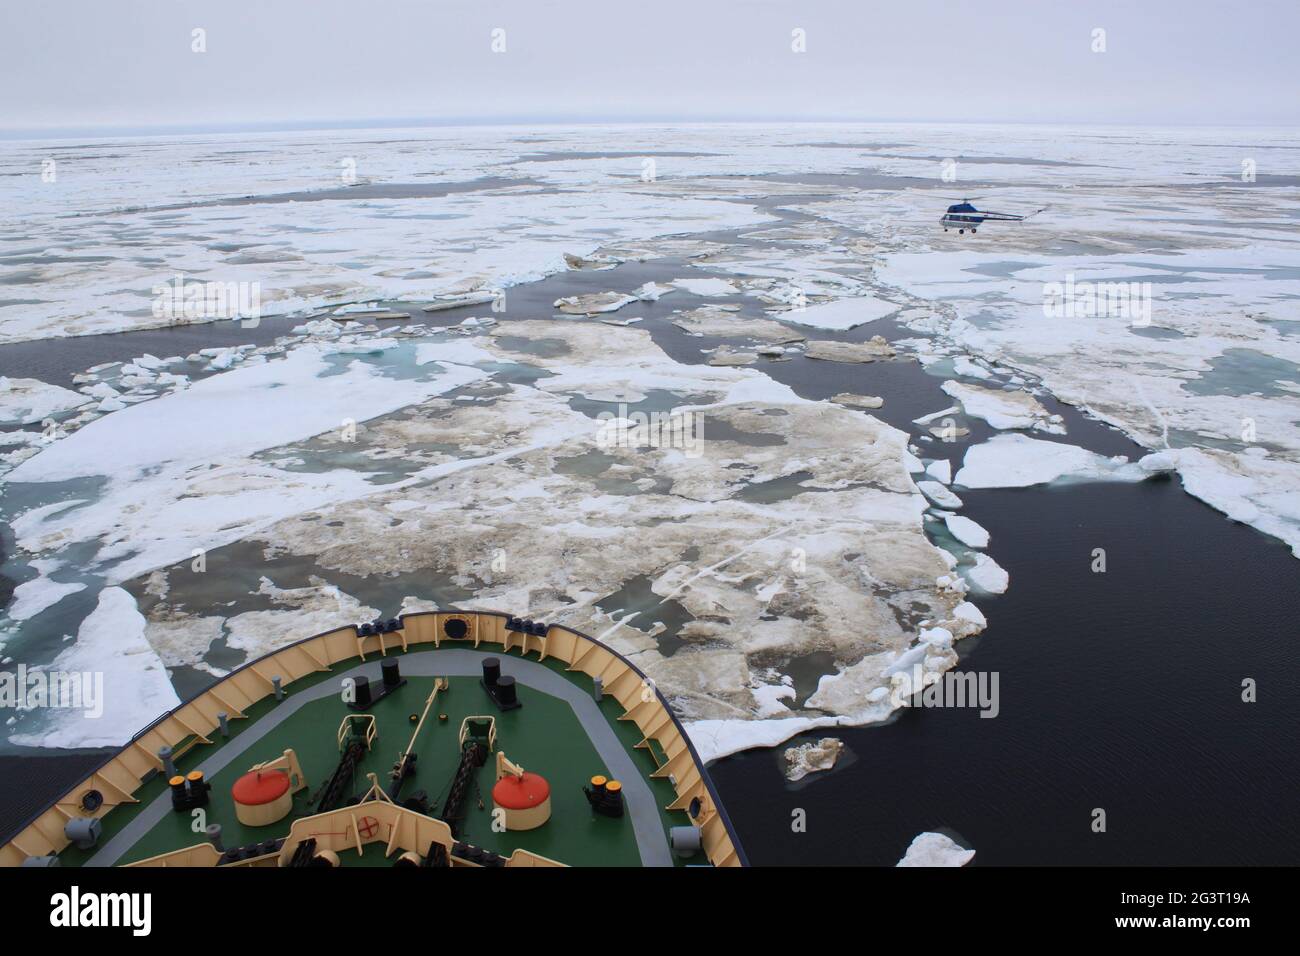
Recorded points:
1118,690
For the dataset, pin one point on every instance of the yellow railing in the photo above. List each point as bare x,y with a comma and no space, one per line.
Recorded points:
368,720
350,828
492,730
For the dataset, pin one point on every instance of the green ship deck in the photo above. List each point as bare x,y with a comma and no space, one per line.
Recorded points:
544,736
562,732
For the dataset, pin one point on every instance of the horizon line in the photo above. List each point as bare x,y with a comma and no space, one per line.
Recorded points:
425,122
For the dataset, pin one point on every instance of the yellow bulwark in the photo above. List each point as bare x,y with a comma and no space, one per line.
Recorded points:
192,725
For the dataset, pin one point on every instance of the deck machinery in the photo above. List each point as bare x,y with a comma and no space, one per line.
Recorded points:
438,714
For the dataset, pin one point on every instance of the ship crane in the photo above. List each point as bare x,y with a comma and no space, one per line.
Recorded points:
405,765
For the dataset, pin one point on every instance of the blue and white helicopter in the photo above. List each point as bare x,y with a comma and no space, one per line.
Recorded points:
962,216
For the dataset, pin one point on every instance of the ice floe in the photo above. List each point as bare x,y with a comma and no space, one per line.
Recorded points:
707,287
32,597
966,531
1004,409
840,314
940,470
712,321
652,291
939,493
715,739
964,365
812,757
25,401
594,303
987,575
135,686
970,613
872,350
1018,461
443,303
935,849
181,468
868,402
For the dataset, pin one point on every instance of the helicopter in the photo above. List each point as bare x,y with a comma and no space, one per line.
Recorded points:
964,216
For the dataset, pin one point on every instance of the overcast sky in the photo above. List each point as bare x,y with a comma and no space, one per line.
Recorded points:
129,63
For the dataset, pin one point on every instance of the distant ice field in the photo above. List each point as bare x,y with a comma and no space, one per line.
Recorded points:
750,246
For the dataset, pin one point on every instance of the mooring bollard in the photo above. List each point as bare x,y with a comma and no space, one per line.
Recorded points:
165,755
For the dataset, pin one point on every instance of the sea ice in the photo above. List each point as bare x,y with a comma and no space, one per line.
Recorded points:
935,849
721,562
811,757
443,303
712,321
1018,461
970,613
966,531
1207,358
707,287
482,239
869,402
987,575
594,303
136,688
25,401
840,314
181,470
940,470
715,739
652,291
32,597
874,349
964,365
1003,409
940,494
